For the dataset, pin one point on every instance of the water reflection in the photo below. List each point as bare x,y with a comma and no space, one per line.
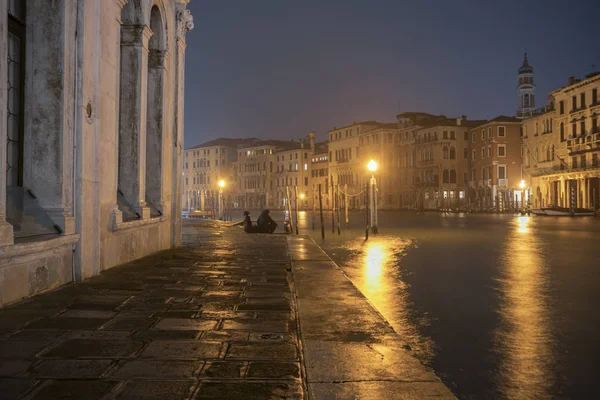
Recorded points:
375,267
524,337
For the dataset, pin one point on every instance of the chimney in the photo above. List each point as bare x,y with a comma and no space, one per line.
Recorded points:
311,137
571,80
458,121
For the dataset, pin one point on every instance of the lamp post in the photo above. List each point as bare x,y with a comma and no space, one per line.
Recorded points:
221,186
372,167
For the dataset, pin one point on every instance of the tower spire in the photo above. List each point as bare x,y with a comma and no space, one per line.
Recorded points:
525,89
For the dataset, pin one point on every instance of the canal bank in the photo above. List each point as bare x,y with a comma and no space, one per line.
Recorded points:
350,350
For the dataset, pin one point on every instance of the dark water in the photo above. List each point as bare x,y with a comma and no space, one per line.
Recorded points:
501,307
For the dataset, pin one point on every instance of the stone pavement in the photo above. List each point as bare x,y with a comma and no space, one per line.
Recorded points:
216,319
213,320
350,350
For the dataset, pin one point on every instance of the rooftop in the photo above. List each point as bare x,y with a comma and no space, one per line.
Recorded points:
226,142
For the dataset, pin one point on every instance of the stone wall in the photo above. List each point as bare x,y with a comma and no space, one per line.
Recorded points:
103,106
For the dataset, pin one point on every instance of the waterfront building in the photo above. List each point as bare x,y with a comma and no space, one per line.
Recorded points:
442,163
562,145
495,151
207,164
319,175
91,123
378,143
292,173
347,164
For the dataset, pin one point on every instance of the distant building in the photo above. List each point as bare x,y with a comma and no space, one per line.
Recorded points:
562,145
495,152
319,175
292,175
204,166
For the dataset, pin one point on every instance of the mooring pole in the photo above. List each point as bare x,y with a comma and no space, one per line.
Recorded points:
321,213
367,211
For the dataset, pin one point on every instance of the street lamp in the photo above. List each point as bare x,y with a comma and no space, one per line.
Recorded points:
372,167
522,185
221,186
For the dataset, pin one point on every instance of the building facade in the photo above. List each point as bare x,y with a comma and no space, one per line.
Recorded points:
207,164
562,144
92,124
495,151
319,175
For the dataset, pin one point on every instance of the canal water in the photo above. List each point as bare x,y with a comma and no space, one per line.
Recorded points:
500,306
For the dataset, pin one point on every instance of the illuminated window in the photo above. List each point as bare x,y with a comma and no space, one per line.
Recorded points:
461,194
306,167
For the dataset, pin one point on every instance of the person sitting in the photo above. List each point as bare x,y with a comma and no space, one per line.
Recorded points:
265,223
248,227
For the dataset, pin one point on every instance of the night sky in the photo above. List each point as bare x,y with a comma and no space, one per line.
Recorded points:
279,68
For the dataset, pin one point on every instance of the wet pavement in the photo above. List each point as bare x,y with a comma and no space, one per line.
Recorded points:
214,320
229,316
350,350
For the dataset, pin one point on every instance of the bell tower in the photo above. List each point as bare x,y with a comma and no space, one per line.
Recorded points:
525,90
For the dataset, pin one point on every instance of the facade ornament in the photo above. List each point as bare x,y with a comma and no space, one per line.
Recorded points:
185,22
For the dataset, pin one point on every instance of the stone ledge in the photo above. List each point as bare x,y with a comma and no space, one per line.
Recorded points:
24,249
121,226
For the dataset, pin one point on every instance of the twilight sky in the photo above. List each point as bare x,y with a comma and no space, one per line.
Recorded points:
279,69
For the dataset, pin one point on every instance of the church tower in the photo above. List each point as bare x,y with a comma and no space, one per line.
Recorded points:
525,90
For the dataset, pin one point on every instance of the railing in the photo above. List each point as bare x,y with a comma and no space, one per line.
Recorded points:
503,182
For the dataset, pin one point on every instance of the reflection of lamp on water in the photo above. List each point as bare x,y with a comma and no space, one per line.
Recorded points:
372,167
221,186
376,255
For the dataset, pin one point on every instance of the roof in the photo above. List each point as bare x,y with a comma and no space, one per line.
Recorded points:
499,118
321,148
354,123
525,68
279,145
453,122
226,142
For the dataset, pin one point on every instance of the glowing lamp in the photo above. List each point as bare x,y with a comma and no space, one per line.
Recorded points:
222,183
372,166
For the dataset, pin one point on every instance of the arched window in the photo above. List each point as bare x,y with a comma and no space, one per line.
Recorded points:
536,156
445,152
528,159
526,100
452,176
452,153
446,176
548,155
562,132
552,152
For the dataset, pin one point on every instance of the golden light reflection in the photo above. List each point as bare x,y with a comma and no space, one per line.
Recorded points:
523,224
376,269
524,338
376,256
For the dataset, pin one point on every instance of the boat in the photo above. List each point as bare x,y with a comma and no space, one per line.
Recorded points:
563,212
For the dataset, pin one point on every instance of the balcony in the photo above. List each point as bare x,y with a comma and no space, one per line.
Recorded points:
503,183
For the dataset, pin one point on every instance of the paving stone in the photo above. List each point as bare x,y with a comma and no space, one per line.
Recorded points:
71,368
73,390
93,306
88,314
273,301
255,326
96,348
175,314
226,336
21,349
260,351
103,298
156,390
98,335
185,324
128,324
264,307
182,349
159,369
271,337
38,334
65,323
166,335
10,368
230,314
249,390
15,388
224,370
273,370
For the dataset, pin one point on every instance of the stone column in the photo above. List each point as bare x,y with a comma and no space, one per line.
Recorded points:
133,116
156,128
49,101
6,229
